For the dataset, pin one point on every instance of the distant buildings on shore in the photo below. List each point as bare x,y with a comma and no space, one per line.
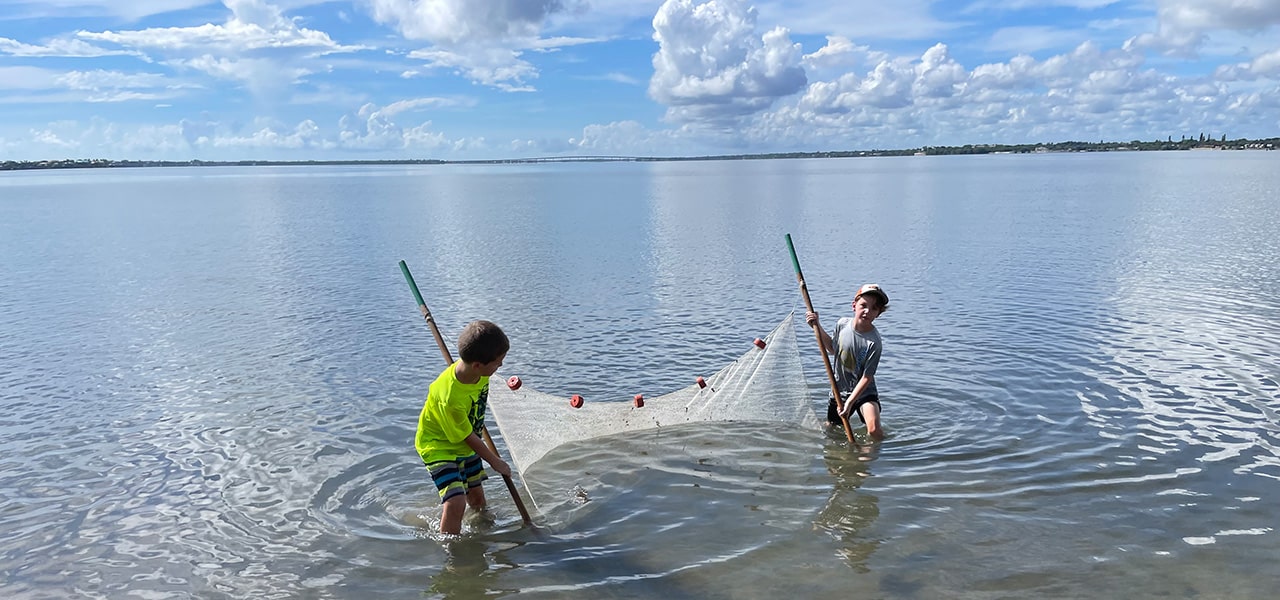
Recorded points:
1184,144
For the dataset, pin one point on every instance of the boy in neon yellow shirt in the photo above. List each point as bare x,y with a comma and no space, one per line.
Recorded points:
449,427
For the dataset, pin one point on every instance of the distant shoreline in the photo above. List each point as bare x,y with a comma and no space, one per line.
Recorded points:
1058,147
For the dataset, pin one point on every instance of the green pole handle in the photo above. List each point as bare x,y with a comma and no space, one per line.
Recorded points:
826,361
426,313
404,268
795,262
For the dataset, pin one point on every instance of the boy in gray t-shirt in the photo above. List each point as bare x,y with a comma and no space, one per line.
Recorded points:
856,346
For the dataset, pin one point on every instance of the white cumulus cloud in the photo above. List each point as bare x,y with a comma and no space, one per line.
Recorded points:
374,128
58,47
1265,66
1183,25
711,64
482,41
254,26
257,45
495,66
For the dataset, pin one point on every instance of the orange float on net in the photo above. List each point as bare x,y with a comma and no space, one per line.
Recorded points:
759,343
513,382
575,401
639,401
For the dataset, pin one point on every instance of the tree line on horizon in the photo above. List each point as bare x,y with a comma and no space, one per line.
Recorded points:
1185,143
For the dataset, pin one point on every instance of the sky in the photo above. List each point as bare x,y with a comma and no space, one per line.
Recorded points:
497,79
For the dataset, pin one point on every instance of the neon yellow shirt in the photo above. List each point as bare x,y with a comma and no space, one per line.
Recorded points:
453,411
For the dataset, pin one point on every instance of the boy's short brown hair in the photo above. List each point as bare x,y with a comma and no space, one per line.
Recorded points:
482,342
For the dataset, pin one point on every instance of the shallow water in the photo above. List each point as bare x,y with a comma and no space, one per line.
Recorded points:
210,377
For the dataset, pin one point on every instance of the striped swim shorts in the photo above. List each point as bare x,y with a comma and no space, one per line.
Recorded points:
453,477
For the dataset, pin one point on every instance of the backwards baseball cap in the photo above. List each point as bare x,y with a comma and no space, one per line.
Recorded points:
872,288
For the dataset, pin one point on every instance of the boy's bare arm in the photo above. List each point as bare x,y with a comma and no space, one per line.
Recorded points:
487,455
812,319
857,390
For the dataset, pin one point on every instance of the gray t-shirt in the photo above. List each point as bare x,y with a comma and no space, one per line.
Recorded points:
857,355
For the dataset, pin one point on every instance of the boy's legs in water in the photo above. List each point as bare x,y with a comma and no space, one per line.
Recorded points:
451,516
456,506
870,412
451,478
475,498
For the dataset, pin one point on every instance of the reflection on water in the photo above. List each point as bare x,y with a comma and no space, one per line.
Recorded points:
849,512
1185,378
466,572
717,500
210,379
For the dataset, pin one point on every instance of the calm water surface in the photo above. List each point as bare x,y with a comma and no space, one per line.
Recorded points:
210,378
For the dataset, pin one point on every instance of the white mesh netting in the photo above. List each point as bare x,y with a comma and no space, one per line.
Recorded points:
763,385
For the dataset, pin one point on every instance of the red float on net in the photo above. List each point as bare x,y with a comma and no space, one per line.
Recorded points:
575,401
759,343
513,382
639,401
702,382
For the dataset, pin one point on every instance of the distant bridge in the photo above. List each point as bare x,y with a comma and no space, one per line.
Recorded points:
555,159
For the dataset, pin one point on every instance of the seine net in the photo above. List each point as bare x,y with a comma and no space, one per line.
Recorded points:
763,385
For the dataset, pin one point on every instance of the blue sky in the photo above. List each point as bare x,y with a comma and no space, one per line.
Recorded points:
466,79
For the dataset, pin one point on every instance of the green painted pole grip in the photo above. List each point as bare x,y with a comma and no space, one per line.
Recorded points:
426,314
418,295
817,334
795,262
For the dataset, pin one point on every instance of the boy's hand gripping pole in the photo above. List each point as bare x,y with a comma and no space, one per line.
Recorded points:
826,362
448,360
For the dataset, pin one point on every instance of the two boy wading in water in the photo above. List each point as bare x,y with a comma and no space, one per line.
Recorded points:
452,418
